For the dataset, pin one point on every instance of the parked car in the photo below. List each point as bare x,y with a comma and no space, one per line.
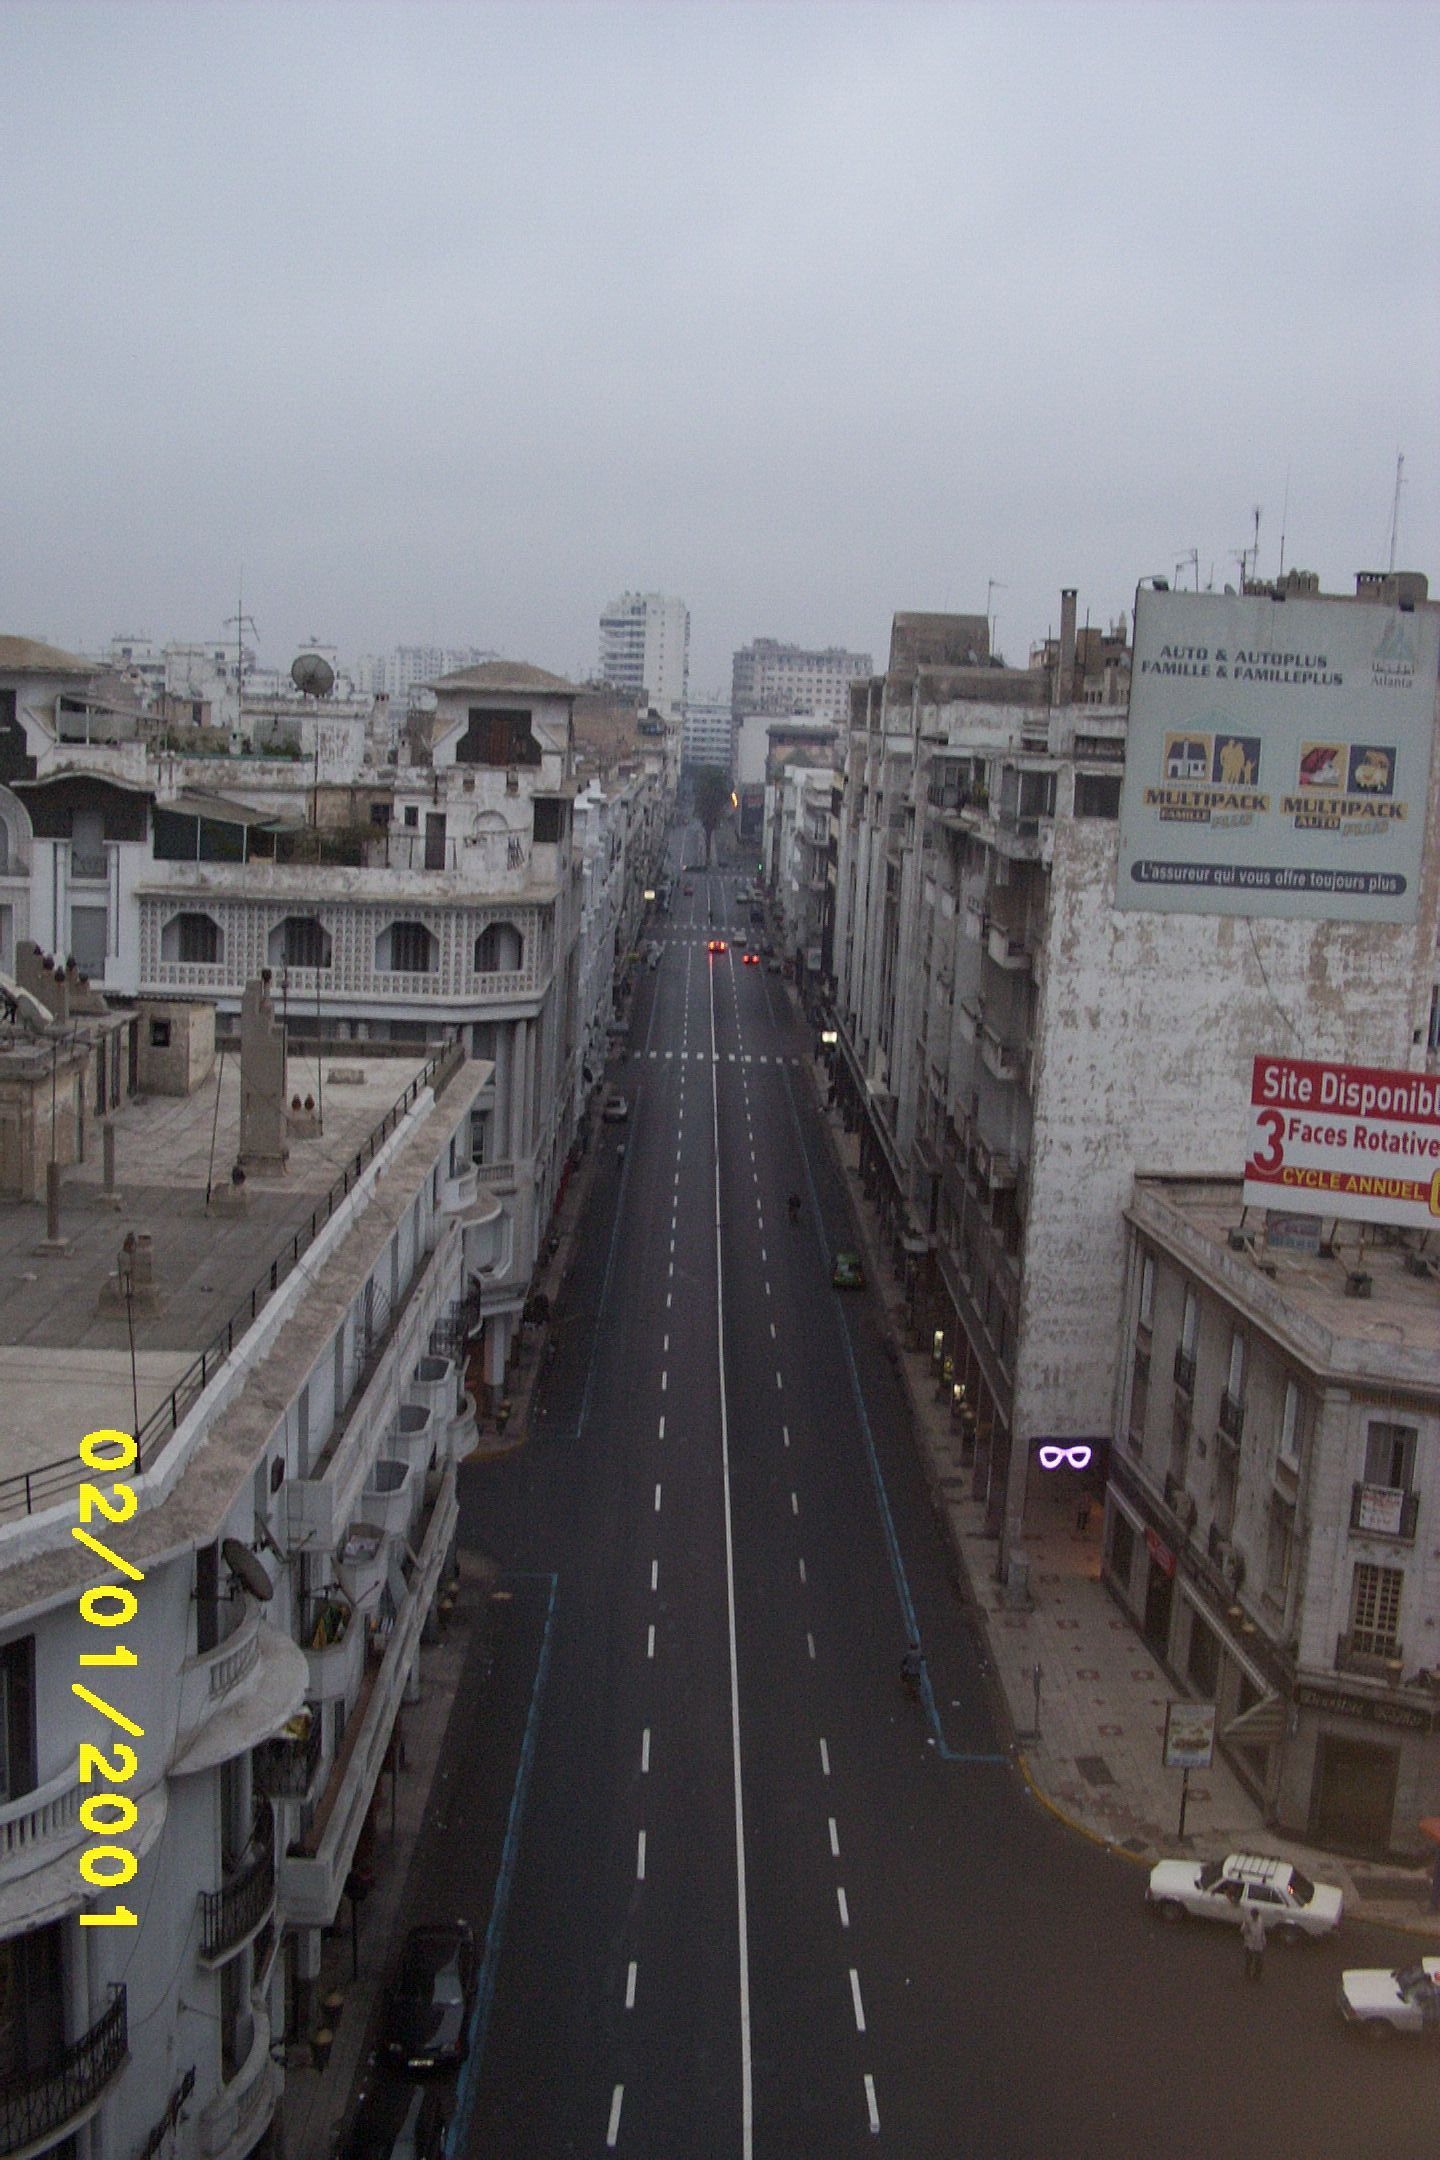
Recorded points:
772,965
426,2023
1291,1906
847,1273
615,1108
1381,2001
397,2120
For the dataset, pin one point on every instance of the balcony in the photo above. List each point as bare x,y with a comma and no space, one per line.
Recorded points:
1368,1652
1006,948
334,1654
232,2122
39,2107
236,1695
458,1193
284,1768
91,868
40,1825
1231,1417
1384,1511
313,1871
1000,1057
967,1019
231,1915
1185,1372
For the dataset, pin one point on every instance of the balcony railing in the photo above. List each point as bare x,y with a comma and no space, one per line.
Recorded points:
85,865
1185,1372
285,1768
1384,1511
1368,1650
228,1915
38,2104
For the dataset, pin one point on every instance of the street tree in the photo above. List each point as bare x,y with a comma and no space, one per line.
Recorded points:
712,800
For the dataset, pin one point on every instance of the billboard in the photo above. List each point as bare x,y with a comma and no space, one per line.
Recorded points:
1278,757
1355,1140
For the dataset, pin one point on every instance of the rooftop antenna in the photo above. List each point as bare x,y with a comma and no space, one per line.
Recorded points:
1284,520
242,622
1188,562
1395,507
992,586
1255,545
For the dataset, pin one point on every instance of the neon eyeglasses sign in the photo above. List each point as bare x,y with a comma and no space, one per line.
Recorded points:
1078,1456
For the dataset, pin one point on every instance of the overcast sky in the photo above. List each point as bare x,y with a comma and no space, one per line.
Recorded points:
450,322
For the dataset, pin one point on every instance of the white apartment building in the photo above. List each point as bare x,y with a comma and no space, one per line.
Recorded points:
297,1384
796,851
645,647
708,736
768,677
1273,1513
448,903
1017,1045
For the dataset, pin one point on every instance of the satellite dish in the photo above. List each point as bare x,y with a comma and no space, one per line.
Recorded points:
245,1566
312,675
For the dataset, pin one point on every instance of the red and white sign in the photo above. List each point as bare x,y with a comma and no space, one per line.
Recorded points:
1354,1140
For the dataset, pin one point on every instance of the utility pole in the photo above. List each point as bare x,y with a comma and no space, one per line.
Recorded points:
242,623
1395,509
992,586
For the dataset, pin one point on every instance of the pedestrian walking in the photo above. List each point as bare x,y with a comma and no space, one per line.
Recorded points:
1252,1935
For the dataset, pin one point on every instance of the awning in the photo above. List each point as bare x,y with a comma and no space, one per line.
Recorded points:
1263,1721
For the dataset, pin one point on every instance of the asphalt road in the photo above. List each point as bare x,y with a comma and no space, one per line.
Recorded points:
740,1894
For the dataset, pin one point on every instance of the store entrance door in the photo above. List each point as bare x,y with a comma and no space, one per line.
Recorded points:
1353,1803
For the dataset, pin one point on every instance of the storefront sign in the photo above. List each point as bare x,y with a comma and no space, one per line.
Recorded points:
1367,1708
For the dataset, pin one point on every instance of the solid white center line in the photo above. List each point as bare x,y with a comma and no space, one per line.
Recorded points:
640,1877
630,1986
645,1751
834,1838
854,1989
657,1498
844,1914
614,2130
824,1758
870,2103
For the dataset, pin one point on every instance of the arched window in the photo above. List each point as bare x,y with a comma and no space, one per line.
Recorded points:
406,948
300,941
499,949
192,936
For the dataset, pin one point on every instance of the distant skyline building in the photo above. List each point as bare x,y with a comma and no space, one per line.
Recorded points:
409,667
645,645
708,737
768,677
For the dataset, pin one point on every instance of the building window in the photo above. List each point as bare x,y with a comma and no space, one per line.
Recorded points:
300,941
1290,1437
191,937
1375,1610
160,1034
1279,1548
406,948
1097,795
89,930
549,818
497,738
17,1718
1390,1456
1147,1289
499,949
1190,1324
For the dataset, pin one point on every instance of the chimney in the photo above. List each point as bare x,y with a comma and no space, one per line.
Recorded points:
1065,678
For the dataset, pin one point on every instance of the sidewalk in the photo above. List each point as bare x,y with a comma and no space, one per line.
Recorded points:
1095,1761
